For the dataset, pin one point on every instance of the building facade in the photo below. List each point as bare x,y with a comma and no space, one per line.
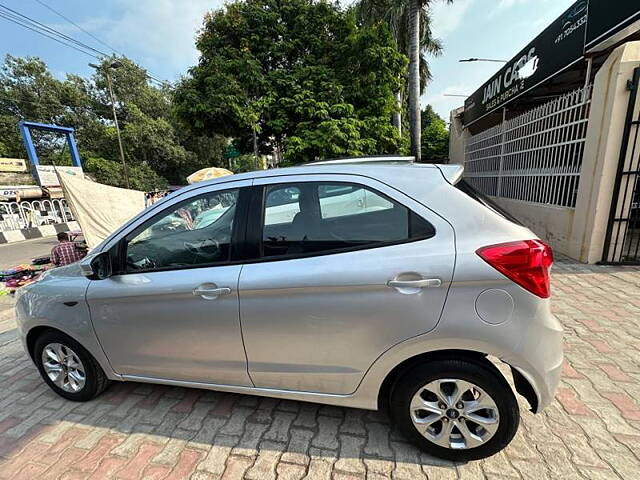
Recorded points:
554,136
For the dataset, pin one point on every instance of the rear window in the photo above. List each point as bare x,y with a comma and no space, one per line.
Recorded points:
486,201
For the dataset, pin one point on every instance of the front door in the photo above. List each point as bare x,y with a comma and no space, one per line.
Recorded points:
172,313
318,307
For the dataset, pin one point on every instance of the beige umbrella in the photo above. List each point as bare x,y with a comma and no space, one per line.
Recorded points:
208,174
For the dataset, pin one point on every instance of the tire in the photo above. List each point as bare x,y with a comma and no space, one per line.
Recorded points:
455,446
76,359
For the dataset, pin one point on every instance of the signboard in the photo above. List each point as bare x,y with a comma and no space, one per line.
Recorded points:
22,191
13,165
557,47
47,176
608,18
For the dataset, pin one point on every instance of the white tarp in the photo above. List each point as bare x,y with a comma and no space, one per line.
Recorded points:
99,209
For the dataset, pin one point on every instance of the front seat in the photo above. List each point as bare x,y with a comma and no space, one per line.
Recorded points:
303,224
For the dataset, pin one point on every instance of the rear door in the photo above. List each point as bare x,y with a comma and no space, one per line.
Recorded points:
348,268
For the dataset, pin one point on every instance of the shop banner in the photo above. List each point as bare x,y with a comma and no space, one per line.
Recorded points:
557,47
607,18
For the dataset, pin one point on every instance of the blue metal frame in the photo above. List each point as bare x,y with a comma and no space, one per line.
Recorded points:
25,130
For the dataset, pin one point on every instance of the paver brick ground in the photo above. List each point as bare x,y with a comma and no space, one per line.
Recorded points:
136,431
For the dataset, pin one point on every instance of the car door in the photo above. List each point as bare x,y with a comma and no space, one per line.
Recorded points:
358,268
171,312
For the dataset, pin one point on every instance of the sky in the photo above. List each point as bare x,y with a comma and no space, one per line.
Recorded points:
159,35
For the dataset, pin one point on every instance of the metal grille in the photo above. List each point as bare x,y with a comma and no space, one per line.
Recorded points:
16,216
535,157
622,243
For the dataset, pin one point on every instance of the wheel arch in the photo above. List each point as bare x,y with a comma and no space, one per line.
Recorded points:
399,370
522,385
95,351
34,333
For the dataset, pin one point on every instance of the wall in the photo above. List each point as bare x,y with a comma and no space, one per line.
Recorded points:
457,137
602,152
580,232
551,224
16,179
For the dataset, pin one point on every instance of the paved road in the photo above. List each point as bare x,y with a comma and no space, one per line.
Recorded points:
12,254
133,431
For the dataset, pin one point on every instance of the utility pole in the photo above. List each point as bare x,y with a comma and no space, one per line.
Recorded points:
491,60
107,71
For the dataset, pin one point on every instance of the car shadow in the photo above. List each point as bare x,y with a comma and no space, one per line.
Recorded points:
132,415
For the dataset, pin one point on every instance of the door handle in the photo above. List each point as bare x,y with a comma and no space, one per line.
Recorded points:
424,283
211,291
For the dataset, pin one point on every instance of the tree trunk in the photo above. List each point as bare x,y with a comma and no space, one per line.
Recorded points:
396,119
255,148
414,78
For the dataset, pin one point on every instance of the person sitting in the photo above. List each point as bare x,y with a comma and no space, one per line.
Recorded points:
65,252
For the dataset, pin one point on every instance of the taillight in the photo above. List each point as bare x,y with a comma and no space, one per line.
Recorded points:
526,262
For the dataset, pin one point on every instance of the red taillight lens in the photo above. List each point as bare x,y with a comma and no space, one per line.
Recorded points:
526,262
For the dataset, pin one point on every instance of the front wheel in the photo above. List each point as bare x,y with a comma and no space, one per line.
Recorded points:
456,409
68,368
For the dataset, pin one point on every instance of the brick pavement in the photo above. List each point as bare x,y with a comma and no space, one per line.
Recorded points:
139,431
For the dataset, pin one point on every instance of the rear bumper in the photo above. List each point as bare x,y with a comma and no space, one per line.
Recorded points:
539,359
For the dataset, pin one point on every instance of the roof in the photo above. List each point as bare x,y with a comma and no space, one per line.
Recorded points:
379,170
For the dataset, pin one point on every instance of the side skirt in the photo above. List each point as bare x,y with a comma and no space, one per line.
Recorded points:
353,400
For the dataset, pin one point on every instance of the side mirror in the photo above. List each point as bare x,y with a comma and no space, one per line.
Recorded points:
96,267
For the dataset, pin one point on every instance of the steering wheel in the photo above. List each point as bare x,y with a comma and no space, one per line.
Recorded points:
209,246
143,263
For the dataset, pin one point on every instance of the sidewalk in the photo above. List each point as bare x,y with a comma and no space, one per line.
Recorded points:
137,431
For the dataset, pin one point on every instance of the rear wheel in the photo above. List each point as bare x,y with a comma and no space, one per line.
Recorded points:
68,368
456,409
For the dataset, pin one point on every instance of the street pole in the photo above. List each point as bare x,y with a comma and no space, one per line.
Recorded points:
115,119
491,60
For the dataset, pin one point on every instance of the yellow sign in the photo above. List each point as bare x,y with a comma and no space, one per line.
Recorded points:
13,165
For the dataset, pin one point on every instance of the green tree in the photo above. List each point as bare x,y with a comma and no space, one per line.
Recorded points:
28,91
435,136
153,140
141,177
410,22
297,76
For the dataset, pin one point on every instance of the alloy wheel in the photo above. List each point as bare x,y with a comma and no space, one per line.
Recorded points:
63,367
454,414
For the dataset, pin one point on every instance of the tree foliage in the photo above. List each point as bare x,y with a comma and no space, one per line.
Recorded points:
141,177
435,136
300,74
410,22
156,149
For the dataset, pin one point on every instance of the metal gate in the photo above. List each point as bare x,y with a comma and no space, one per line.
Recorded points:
622,242
535,157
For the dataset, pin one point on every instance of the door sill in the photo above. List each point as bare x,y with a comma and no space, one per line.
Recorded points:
325,398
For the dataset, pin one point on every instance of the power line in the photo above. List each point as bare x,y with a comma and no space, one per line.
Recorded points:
53,34
41,26
6,17
79,27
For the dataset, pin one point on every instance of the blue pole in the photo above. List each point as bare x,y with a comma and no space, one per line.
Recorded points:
73,148
28,143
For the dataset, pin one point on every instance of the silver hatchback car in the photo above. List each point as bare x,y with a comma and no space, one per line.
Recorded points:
367,284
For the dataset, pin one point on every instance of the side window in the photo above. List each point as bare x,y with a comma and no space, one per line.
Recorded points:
335,216
281,204
337,200
195,232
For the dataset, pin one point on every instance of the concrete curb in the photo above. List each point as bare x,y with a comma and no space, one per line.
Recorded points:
13,236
